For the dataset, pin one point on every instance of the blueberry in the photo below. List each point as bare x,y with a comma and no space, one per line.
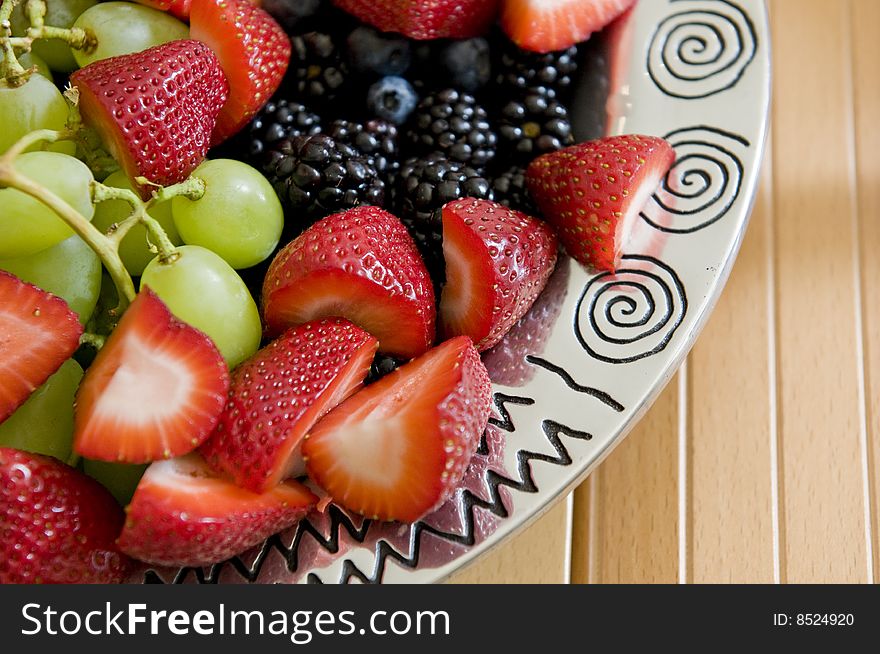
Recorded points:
392,98
467,63
371,51
291,13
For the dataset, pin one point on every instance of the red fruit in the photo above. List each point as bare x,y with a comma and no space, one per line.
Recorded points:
400,447
426,19
593,192
155,110
361,264
57,526
183,515
253,50
544,25
497,262
279,393
178,8
38,332
155,390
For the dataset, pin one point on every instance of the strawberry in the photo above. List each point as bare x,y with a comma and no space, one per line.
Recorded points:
399,448
545,25
155,110
253,50
38,332
425,19
57,526
278,394
183,515
360,264
593,192
177,8
497,262
155,390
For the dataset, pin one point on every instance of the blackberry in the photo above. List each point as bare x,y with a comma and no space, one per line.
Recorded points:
533,126
511,190
452,122
278,120
317,70
522,70
315,176
422,187
377,141
382,365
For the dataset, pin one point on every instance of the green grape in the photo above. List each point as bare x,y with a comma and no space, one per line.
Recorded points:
36,104
29,226
135,248
201,289
70,270
120,479
239,217
123,28
30,60
59,13
44,424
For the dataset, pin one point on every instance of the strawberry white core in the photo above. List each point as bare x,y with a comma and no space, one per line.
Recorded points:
626,226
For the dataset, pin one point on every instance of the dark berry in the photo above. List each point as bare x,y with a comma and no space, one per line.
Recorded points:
533,126
373,52
522,70
511,190
382,365
315,176
467,64
278,120
317,71
392,98
292,15
376,140
452,122
422,187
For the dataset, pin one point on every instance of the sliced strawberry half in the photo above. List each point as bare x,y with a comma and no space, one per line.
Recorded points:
38,332
425,19
253,50
363,265
592,193
155,110
155,390
399,448
182,514
545,25
57,526
277,395
497,262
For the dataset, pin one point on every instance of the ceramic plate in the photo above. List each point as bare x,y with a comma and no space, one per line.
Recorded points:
577,373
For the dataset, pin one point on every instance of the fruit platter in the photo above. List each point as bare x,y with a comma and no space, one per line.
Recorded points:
319,291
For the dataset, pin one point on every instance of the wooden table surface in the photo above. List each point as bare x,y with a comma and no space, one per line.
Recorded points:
760,462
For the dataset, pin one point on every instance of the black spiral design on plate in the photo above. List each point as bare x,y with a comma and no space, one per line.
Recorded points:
631,314
702,50
703,183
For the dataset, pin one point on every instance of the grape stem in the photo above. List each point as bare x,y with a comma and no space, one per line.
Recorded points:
10,68
95,340
103,246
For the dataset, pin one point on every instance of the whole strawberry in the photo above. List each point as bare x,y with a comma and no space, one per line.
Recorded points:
155,110
497,262
57,526
425,19
279,393
254,52
592,192
362,265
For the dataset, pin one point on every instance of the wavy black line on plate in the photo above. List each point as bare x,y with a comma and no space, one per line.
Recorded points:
701,51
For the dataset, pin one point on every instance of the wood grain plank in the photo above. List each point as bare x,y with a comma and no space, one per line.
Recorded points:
730,503
818,368
634,500
866,76
536,556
